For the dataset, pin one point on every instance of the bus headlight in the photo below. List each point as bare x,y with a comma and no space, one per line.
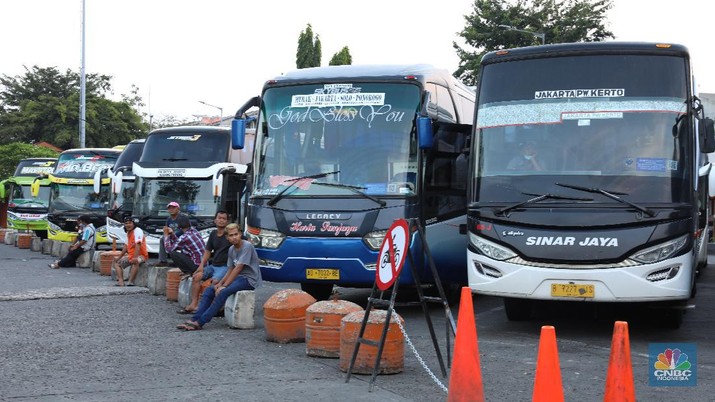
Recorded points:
374,239
52,226
264,238
490,249
660,252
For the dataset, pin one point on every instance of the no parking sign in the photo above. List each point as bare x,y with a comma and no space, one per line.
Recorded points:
392,254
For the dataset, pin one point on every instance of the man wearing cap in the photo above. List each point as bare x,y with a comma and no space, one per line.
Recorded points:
186,250
171,223
85,242
133,253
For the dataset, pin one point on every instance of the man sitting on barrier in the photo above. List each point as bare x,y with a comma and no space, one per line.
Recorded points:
185,250
85,242
243,273
133,253
213,264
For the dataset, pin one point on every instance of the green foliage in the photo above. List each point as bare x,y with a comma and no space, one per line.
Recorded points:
14,152
309,49
560,20
341,58
43,105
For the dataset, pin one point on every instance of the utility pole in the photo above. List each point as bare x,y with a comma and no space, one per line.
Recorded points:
82,86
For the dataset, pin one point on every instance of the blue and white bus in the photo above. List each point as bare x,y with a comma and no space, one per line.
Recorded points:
340,153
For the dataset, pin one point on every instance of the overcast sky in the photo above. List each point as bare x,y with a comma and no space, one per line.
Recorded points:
180,52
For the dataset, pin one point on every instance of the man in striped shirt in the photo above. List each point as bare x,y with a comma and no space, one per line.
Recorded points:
186,250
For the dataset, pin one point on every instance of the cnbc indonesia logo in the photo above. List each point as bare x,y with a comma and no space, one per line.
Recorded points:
673,365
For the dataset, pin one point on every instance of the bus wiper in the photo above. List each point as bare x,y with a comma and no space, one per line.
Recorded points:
354,189
174,159
537,198
610,194
278,196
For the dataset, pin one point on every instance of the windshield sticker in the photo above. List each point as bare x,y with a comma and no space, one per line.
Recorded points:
593,115
368,113
581,93
303,184
516,114
185,137
653,164
77,166
36,169
334,100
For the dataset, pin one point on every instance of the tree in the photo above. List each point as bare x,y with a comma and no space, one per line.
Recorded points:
559,20
43,105
309,49
341,58
14,152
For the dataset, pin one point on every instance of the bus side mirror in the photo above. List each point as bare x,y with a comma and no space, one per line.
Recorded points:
97,181
238,133
217,183
2,190
35,187
424,132
117,182
707,135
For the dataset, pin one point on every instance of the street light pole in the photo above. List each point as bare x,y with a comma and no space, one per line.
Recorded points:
539,35
220,110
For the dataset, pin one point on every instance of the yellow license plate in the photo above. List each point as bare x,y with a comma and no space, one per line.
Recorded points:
322,273
572,290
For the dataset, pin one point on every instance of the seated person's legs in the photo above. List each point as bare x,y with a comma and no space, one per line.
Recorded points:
183,262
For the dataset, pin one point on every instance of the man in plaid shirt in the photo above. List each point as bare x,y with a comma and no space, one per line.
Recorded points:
186,250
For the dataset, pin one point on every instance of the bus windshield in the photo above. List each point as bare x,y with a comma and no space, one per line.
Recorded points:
549,121
76,198
195,196
356,136
83,163
21,197
187,146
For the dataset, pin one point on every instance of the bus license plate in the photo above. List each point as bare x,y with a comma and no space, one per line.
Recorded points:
322,273
572,290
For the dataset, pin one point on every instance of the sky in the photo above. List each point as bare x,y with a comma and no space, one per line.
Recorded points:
180,53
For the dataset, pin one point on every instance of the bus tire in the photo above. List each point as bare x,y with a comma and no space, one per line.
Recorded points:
517,309
320,291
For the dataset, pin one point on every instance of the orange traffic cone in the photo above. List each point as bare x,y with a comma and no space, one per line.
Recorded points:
619,380
547,381
465,379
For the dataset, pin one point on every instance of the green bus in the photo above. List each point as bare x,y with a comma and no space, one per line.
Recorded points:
25,211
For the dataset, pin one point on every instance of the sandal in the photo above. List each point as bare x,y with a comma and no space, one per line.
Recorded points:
53,265
190,326
185,311
182,325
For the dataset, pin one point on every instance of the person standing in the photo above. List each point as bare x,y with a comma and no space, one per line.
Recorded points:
85,242
243,273
133,254
171,222
185,250
213,265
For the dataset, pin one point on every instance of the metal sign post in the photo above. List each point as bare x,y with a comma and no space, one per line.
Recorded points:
391,259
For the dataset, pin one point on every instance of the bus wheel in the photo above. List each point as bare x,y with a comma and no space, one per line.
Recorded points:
321,291
517,309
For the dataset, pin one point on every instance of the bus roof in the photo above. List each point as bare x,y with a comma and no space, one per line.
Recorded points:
570,49
184,129
110,150
422,72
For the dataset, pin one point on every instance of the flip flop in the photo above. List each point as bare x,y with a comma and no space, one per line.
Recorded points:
190,326
185,311
182,325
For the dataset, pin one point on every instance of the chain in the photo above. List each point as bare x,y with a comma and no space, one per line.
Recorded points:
417,355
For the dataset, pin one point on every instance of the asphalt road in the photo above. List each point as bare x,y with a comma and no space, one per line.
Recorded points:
69,334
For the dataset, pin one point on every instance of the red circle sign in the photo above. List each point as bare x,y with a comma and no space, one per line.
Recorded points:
392,254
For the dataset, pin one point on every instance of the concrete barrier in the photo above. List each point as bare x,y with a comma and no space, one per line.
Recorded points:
142,275
10,237
36,243
95,261
64,249
184,298
85,259
157,280
56,247
46,246
239,310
